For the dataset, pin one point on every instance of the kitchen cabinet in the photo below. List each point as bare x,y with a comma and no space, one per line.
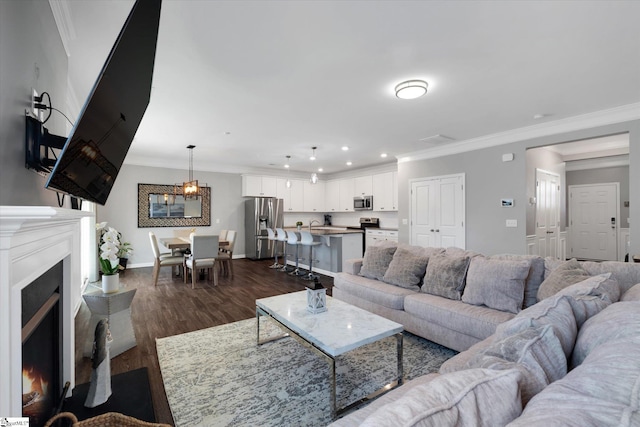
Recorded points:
346,194
385,191
363,186
293,197
258,186
332,196
313,200
374,236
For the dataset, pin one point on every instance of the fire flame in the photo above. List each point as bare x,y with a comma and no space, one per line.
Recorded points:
32,380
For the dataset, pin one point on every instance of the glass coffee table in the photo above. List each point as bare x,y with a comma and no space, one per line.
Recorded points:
342,328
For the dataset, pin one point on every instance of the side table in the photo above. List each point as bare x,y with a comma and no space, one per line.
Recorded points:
116,307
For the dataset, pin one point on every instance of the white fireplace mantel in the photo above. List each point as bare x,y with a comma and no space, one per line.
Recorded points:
32,240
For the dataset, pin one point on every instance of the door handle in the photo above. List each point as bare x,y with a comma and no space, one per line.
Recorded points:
432,230
437,230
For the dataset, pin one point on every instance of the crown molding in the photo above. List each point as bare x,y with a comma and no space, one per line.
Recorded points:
620,114
599,163
62,16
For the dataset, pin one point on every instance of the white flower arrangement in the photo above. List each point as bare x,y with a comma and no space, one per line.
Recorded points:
111,249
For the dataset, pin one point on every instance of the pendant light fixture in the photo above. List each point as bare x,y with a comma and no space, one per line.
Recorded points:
314,176
313,153
288,183
190,189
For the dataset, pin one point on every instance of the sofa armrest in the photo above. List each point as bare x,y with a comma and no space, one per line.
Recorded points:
352,266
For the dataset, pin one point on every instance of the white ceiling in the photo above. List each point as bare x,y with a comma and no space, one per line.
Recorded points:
283,76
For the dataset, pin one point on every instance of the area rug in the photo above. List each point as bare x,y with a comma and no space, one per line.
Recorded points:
220,377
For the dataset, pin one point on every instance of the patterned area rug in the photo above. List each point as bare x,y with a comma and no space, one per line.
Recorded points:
220,377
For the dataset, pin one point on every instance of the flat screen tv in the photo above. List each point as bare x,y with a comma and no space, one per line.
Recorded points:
100,139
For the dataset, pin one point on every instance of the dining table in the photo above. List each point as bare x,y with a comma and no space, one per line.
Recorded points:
182,242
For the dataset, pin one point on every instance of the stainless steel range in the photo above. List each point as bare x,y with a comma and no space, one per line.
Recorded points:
364,224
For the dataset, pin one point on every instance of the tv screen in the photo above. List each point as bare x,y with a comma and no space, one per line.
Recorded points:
100,139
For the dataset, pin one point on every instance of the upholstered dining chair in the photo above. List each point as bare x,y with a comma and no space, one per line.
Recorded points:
162,259
226,254
204,251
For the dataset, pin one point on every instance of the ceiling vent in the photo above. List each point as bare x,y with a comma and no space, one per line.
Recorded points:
437,139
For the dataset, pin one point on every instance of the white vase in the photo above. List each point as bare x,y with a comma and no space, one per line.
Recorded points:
110,283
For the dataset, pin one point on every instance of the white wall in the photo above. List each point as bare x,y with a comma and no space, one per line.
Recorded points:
121,208
31,56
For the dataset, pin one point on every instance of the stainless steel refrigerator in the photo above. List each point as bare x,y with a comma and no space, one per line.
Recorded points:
261,213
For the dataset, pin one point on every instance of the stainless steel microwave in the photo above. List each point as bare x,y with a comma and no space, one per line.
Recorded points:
363,203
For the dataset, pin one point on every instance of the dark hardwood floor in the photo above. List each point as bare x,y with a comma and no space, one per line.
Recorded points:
174,308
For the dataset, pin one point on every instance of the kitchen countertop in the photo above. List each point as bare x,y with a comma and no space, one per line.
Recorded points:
327,230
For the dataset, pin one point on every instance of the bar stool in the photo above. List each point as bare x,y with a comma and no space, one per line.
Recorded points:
306,239
292,239
281,236
271,235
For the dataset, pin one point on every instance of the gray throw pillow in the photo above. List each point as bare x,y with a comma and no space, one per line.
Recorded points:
445,276
535,351
408,266
496,283
377,259
566,274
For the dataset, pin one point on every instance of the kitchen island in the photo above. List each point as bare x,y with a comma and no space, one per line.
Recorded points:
337,245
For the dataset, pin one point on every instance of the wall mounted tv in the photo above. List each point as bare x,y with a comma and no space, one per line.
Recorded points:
98,144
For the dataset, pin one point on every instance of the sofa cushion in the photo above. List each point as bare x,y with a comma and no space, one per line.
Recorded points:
633,294
555,311
476,321
619,320
627,274
534,279
445,276
603,391
460,360
408,266
496,283
377,259
381,293
535,352
460,398
591,296
566,274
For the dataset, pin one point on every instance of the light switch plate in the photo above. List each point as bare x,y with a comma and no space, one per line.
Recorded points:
404,221
512,223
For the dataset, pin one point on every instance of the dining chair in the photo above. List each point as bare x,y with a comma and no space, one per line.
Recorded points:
226,254
161,259
222,235
204,251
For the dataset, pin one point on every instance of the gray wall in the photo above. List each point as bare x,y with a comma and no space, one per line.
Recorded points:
121,208
488,179
32,56
605,175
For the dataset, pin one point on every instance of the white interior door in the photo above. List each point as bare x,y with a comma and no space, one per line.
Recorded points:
547,213
593,218
437,212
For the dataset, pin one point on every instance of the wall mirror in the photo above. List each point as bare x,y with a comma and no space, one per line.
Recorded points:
158,207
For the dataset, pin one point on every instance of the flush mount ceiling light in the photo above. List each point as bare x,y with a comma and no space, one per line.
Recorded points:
288,183
411,89
313,153
345,148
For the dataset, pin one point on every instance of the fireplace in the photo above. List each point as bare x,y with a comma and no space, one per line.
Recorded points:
37,243
41,336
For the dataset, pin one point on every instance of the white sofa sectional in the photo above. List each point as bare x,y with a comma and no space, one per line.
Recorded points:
570,359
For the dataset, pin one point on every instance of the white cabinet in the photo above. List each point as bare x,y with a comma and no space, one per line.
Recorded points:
385,191
375,235
313,197
346,195
258,186
332,196
363,186
293,197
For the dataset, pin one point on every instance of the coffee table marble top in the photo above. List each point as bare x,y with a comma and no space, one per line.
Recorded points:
342,328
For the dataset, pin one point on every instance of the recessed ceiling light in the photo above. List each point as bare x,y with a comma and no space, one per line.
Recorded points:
348,163
541,116
383,155
345,148
411,89
319,169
